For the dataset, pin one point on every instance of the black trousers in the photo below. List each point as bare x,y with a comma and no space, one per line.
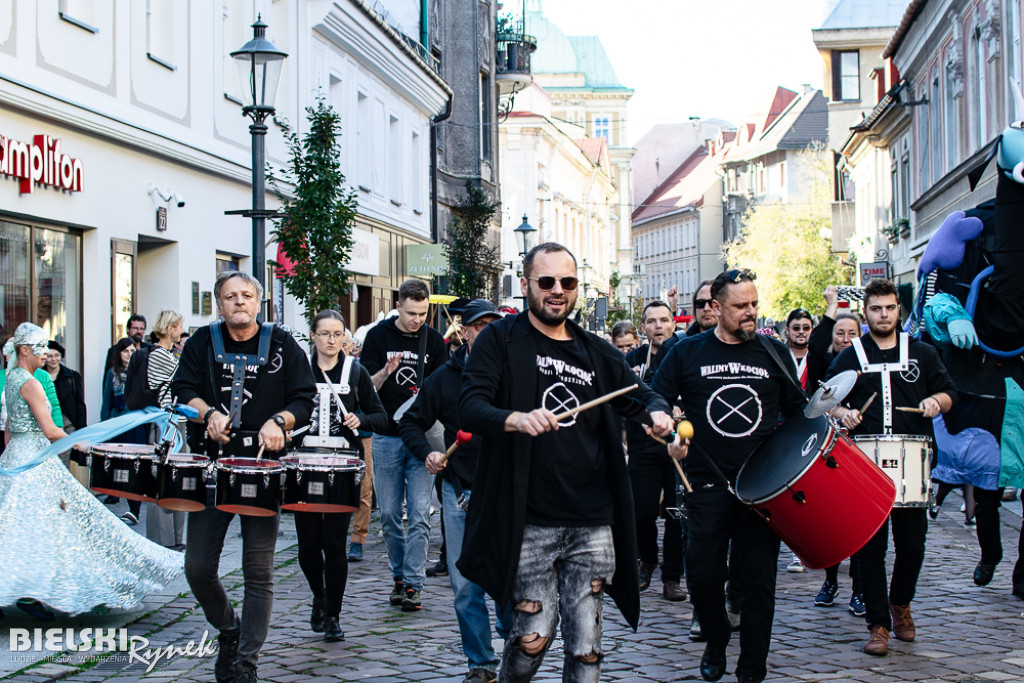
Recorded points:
716,518
909,529
832,574
1018,569
986,517
322,556
653,478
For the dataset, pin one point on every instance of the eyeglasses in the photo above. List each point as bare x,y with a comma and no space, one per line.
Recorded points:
701,303
740,275
331,336
546,282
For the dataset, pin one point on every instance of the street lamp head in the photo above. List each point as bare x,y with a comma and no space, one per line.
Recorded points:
524,237
259,70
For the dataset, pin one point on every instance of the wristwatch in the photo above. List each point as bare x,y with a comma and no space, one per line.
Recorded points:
280,422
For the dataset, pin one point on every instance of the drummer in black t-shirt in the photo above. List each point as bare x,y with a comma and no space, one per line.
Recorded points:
550,522
732,390
903,372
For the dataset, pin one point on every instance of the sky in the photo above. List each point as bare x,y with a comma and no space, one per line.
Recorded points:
708,58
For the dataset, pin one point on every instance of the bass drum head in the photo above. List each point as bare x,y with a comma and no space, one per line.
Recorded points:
782,457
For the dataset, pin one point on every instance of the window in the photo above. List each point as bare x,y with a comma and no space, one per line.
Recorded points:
924,167
160,32
415,164
81,13
845,75
364,143
952,123
395,160
226,262
486,119
602,128
979,88
935,125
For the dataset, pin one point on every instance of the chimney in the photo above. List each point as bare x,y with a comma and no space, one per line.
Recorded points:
807,88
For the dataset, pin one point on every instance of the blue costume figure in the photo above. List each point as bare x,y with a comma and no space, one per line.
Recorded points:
971,306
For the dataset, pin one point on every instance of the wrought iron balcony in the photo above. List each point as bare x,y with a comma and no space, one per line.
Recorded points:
513,48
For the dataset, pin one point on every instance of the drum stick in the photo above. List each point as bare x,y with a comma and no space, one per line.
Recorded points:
597,401
647,363
460,439
908,409
867,404
679,469
334,391
259,454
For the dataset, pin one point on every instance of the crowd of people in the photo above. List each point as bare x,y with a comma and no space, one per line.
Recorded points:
555,453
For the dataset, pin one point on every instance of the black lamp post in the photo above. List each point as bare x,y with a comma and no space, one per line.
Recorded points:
524,240
259,65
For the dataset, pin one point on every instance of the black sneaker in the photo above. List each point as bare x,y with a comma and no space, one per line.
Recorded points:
857,607
224,668
318,617
827,595
332,631
397,594
244,674
439,569
411,601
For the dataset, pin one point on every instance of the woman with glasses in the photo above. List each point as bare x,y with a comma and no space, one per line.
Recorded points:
322,537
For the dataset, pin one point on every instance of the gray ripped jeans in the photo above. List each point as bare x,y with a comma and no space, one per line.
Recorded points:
562,572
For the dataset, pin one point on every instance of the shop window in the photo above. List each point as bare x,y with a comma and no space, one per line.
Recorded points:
123,258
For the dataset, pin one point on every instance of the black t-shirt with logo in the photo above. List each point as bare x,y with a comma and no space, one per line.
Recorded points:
733,394
568,469
925,376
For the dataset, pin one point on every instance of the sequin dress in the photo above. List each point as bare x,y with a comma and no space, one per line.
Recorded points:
58,543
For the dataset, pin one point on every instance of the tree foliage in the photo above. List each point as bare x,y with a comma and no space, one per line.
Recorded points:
789,244
316,233
472,262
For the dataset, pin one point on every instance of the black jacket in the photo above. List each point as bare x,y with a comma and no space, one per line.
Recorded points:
636,438
288,387
439,400
500,377
71,396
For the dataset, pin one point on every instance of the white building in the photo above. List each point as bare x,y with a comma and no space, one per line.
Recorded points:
144,97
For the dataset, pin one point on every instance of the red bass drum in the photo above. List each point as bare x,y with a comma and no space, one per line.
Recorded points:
816,490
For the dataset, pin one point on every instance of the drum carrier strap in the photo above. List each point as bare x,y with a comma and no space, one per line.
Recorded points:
326,391
238,362
885,369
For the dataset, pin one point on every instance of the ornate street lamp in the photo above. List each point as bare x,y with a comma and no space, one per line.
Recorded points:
259,65
524,240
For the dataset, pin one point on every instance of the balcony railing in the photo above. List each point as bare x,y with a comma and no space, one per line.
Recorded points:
513,46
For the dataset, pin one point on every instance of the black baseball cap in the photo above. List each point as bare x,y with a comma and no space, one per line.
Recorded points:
478,308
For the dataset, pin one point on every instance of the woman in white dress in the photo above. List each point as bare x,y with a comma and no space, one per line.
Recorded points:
61,546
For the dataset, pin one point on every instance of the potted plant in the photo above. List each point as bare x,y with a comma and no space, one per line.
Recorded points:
891,232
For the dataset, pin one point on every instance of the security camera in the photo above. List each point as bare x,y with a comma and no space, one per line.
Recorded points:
178,199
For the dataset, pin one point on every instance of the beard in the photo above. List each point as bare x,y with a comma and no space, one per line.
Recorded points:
746,335
795,345
535,303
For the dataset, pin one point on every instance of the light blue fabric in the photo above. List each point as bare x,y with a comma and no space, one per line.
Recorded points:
939,312
1011,471
962,333
969,457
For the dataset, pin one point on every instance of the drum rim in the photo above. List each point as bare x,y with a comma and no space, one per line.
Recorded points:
831,437
290,462
891,437
140,452
248,467
194,460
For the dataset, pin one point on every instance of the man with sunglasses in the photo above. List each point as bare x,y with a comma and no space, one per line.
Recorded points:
550,524
732,389
439,400
651,473
705,317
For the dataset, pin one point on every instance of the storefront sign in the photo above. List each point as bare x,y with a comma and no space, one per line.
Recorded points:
869,271
425,260
364,256
41,162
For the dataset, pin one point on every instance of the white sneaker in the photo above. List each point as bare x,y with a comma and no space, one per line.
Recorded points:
129,519
796,566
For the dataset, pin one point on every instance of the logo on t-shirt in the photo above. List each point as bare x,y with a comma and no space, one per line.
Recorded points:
912,372
734,411
405,377
558,398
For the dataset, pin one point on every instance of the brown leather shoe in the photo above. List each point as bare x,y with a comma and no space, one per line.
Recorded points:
673,592
878,643
646,572
902,623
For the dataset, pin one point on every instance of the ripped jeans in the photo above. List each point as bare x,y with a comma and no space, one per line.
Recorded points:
567,567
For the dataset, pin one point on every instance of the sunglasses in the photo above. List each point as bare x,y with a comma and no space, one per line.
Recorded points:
740,275
701,303
547,282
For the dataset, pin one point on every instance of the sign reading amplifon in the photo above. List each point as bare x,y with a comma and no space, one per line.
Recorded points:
40,162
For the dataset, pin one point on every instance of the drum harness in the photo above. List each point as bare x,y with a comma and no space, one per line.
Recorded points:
885,369
326,390
239,361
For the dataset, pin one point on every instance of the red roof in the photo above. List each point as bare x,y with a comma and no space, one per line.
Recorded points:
684,188
594,148
780,100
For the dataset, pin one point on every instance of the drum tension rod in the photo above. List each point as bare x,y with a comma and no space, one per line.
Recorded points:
800,497
831,463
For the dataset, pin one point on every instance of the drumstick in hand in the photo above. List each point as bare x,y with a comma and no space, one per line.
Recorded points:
259,454
908,409
596,402
460,439
867,404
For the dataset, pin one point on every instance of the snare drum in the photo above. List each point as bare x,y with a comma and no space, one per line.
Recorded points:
181,482
123,470
816,490
322,480
907,460
247,486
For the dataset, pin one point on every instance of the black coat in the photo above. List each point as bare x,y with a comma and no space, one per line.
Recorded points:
500,378
71,395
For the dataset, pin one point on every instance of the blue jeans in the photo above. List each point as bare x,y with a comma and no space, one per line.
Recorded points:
470,601
401,477
562,572
205,541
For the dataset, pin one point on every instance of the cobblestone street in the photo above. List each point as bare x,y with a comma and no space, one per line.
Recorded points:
965,633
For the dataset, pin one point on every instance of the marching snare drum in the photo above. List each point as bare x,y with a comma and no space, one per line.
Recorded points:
816,490
322,480
906,459
123,470
181,482
247,486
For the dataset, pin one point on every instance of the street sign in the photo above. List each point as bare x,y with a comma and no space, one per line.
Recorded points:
425,260
869,271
